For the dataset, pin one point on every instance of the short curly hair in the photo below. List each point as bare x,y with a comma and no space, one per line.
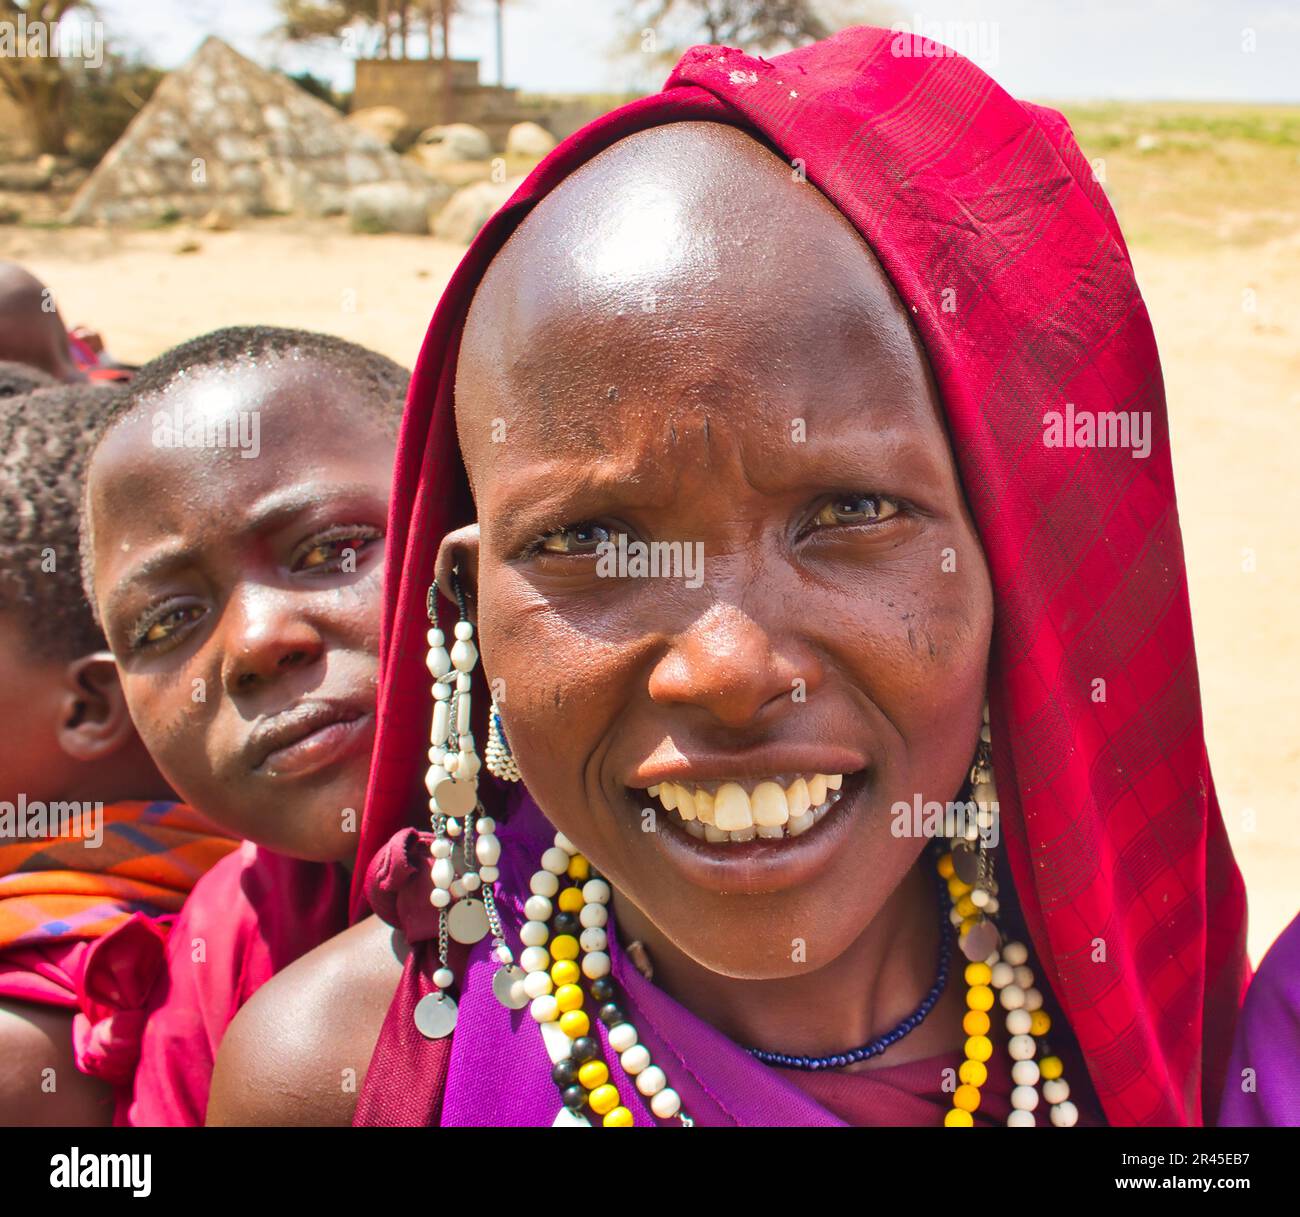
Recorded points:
18,378
382,384
44,447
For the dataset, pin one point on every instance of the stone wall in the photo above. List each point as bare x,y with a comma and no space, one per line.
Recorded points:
415,86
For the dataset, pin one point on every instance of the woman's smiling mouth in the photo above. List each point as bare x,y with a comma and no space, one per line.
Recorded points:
736,812
752,835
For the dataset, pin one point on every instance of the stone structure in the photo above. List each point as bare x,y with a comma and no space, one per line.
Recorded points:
416,86
222,133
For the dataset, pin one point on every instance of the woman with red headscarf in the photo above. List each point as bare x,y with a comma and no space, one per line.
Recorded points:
793,444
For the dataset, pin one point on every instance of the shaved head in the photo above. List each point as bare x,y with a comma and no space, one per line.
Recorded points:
626,250
31,330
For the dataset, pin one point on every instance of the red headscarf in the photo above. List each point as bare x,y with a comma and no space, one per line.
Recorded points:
997,236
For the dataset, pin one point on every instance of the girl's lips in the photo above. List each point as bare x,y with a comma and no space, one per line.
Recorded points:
763,864
323,743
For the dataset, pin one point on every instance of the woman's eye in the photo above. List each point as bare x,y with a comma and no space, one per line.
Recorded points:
577,539
333,553
856,509
165,626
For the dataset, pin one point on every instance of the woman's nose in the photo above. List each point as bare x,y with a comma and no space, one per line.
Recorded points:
731,665
267,635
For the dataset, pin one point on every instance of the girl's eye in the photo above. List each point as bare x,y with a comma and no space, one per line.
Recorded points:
164,627
577,539
856,509
338,552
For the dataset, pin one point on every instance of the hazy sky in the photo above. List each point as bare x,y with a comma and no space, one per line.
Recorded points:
1035,48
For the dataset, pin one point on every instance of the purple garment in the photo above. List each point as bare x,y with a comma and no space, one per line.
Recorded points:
494,1047
495,1070
1263,1081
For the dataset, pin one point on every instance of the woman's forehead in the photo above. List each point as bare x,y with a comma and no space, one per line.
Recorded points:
686,268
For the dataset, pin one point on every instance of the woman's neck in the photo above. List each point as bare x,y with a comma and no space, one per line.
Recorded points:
868,990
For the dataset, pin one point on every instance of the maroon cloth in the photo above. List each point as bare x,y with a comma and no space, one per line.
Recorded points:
997,236
407,1075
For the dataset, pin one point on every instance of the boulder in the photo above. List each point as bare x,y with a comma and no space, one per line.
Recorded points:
385,123
529,140
454,142
470,208
394,206
219,219
28,175
452,173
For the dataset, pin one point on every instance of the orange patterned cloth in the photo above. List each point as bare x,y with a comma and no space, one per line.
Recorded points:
104,867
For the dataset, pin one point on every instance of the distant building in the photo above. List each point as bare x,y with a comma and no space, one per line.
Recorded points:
416,87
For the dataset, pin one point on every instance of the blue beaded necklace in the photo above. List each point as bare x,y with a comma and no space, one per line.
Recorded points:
878,1045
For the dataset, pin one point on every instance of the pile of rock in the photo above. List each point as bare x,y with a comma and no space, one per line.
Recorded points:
223,134
222,139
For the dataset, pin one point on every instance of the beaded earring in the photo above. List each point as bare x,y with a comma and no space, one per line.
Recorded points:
463,896
995,965
497,757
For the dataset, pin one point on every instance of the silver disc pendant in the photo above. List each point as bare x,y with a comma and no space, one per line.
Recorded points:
435,1016
455,798
980,942
966,864
508,985
467,921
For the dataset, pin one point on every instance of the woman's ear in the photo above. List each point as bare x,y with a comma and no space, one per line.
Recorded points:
93,720
458,553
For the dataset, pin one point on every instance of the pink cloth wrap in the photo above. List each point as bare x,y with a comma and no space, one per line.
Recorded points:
250,916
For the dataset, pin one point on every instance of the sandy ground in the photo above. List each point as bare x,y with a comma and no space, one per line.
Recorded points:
1233,380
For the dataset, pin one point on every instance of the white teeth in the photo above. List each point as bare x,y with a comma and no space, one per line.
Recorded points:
800,824
768,805
733,813
731,810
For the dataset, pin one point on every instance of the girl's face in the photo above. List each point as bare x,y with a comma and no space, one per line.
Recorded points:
240,587
689,355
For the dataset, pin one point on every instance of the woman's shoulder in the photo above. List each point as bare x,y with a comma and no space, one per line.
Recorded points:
291,1056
